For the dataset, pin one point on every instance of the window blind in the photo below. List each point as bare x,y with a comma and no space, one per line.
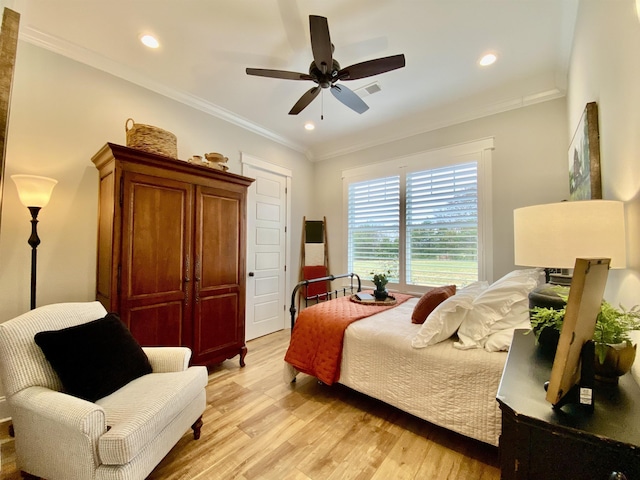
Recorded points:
374,226
442,225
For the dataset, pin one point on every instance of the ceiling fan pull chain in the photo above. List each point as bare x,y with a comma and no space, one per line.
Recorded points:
322,105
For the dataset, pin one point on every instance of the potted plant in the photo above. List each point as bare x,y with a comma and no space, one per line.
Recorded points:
380,280
614,352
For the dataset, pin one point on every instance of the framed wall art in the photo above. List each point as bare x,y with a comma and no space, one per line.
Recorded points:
584,157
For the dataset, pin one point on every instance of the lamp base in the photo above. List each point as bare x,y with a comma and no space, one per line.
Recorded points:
560,279
547,296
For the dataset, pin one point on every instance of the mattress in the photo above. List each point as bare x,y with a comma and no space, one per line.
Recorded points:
455,389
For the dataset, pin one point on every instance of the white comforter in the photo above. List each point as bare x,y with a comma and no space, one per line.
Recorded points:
453,388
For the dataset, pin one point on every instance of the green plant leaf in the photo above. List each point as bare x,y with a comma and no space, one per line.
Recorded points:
612,324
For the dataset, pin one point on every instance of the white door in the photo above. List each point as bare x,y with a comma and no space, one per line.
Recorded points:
266,249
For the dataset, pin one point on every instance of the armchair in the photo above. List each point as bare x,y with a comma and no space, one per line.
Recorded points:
123,435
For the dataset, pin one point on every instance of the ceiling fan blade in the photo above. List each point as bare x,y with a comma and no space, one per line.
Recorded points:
349,98
371,67
305,100
265,72
321,43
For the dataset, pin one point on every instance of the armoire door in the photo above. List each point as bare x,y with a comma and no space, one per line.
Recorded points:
156,267
218,325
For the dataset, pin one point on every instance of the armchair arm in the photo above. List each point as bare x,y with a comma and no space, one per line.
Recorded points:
67,411
168,359
49,425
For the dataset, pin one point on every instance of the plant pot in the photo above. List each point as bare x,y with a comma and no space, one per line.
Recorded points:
617,362
380,294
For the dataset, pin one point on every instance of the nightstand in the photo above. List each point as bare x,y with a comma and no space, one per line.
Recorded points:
539,442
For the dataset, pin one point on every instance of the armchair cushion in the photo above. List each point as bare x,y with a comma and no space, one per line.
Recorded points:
138,412
94,359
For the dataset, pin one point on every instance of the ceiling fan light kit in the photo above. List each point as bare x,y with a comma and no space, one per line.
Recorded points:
325,71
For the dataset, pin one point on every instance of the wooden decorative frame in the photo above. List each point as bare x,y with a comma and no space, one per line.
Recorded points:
583,306
8,47
584,157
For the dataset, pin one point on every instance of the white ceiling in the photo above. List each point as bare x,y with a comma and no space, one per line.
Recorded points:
207,44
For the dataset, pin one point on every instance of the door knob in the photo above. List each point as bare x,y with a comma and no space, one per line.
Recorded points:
251,274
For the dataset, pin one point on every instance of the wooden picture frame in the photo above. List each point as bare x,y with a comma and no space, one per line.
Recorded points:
583,306
8,48
584,157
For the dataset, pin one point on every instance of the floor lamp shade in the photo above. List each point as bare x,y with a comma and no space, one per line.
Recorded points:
555,234
34,191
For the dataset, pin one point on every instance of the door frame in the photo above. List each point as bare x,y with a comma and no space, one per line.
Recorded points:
255,162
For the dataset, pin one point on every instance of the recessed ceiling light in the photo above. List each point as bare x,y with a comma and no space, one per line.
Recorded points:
488,59
309,126
150,41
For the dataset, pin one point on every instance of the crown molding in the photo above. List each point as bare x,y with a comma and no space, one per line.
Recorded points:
427,127
88,57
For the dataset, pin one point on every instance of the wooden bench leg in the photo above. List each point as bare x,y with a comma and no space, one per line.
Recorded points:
197,426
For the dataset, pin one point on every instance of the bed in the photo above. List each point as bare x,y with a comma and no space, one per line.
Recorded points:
445,370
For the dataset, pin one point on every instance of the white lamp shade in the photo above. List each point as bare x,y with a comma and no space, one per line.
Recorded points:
34,191
555,234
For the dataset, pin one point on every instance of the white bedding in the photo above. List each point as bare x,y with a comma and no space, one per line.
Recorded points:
453,388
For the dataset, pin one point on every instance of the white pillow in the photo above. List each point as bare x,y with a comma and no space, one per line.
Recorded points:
504,305
447,317
501,340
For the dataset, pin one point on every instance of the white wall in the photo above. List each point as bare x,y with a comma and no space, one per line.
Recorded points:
529,167
605,68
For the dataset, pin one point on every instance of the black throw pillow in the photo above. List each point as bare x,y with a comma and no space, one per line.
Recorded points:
94,359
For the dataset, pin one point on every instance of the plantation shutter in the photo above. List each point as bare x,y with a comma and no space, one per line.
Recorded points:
374,226
442,226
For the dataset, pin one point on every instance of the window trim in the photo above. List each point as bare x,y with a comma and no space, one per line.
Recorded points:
477,150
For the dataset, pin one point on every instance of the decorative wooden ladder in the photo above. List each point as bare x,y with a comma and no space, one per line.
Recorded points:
314,256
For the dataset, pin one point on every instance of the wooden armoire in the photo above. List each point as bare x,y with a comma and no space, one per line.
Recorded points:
171,251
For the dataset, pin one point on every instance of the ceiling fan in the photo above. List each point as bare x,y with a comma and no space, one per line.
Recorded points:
326,71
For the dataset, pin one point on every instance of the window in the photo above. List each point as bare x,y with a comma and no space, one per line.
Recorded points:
425,218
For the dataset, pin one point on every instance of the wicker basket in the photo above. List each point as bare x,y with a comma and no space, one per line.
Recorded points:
151,139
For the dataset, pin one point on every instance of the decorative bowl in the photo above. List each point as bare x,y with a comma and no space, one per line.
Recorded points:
216,157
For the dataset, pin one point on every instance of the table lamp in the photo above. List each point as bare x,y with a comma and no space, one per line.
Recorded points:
589,234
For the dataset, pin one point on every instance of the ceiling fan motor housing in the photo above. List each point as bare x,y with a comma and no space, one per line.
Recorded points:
325,80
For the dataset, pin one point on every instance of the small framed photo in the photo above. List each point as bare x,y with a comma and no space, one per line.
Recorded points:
584,157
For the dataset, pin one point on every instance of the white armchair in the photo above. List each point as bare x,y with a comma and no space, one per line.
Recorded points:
121,436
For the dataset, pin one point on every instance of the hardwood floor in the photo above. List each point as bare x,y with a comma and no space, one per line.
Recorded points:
256,426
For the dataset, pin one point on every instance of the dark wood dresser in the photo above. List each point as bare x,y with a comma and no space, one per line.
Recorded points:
171,251
539,442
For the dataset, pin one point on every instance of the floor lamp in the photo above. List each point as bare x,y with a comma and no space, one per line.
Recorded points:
34,193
